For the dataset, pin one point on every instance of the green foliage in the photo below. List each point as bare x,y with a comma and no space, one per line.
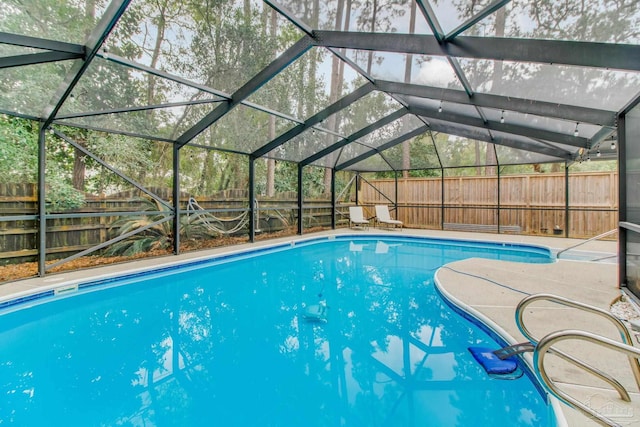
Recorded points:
286,180
29,90
595,166
223,44
418,173
68,21
18,150
19,163
127,155
60,196
584,166
313,182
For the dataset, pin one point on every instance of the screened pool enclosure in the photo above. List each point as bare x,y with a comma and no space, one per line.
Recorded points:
121,111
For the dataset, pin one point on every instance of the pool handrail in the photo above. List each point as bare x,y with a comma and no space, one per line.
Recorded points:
530,347
544,346
599,236
622,329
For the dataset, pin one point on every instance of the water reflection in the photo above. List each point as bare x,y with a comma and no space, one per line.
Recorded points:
230,345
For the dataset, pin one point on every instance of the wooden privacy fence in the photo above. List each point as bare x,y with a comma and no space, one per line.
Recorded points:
531,204
65,236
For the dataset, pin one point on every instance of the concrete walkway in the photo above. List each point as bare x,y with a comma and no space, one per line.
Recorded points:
491,290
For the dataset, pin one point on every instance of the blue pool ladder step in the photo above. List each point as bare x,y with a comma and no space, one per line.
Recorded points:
497,368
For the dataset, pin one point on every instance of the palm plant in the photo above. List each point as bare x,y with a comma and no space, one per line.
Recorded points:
155,230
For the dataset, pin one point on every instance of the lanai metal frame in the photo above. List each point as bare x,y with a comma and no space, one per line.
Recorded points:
452,46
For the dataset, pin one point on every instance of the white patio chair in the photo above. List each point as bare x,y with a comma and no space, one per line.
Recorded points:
356,217
383,217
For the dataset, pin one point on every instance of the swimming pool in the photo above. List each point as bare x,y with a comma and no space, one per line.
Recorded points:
240,341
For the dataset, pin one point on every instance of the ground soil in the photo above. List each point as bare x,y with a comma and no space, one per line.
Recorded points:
30,269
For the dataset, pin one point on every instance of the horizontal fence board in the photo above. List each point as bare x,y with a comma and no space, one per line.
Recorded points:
18,239
34,252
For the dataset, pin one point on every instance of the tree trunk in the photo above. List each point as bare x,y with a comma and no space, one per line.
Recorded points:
205,182
151,84
79,169
478,157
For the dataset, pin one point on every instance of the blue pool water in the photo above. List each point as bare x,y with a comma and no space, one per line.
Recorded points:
234,342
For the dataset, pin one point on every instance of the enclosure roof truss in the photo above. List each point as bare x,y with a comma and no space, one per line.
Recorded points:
476,75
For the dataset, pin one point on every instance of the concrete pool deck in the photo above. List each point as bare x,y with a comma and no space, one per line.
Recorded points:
489,289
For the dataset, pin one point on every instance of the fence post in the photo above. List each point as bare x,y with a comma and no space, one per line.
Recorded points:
103,222
333,198
176,199
498,191
395,174
566,199
441,199
42,215
252,202
300,199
